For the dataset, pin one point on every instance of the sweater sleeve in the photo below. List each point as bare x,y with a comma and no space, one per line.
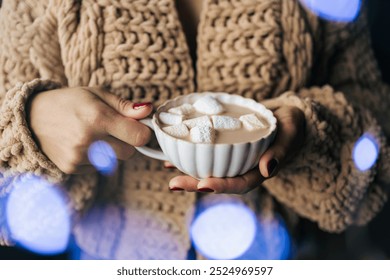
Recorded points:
18,150
22,75
30,63
323,182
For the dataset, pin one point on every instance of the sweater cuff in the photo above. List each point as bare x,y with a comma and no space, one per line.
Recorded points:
322,182
18,151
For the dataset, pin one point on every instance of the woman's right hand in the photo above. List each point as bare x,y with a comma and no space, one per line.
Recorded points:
65,122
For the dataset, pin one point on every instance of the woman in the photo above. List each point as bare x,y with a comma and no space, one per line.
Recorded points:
90,69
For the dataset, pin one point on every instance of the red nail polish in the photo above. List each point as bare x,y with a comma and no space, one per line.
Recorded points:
205,190
137,106
176,189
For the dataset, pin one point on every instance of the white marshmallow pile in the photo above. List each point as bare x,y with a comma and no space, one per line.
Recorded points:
170,119
251,122
225,123
203,129
208,105
185,109
199,121
178,131
202,134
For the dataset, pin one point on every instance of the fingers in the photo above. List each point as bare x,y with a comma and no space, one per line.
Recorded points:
119,119
288,141
167,164
123,151
124,107
127,130
184,183
237,185
271,104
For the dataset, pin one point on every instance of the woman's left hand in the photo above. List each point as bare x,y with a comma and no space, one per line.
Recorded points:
289,139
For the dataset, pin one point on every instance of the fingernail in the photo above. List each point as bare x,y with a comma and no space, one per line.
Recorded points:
271,166
169,166
138,106
176,189
205,190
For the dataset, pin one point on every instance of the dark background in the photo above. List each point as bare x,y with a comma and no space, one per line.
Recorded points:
379,228
379,19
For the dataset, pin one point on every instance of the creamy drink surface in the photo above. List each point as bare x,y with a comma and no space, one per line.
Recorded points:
240,135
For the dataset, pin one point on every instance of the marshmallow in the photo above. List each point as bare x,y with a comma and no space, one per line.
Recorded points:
252,122
208,105
178,131
202,134
170,119
225,123
185,109
200,121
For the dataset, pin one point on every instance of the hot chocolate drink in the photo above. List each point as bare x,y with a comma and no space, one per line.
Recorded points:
210,121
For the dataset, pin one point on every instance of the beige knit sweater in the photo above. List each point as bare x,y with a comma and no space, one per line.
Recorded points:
137,49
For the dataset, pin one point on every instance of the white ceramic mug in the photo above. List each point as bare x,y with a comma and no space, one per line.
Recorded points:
201,160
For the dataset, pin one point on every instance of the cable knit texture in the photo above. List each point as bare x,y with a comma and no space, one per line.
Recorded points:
137,50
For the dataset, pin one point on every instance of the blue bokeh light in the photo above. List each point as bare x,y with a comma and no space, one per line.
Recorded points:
334,10
102,157
272,241
224,231
365,152
37,216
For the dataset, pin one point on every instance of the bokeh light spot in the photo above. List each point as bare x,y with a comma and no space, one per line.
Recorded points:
37,216
365,152
224,231
274,239
102,157
334,10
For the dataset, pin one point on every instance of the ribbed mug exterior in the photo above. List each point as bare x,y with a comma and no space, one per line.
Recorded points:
214,160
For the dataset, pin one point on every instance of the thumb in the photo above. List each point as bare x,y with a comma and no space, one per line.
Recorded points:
123,106
288,140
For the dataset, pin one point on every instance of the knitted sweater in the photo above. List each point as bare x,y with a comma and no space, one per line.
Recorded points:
136,49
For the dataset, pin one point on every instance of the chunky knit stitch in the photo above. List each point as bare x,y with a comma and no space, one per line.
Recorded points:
137,50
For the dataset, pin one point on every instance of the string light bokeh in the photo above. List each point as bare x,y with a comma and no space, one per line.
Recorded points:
365,152
334,10
37,216
102,157
228,229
